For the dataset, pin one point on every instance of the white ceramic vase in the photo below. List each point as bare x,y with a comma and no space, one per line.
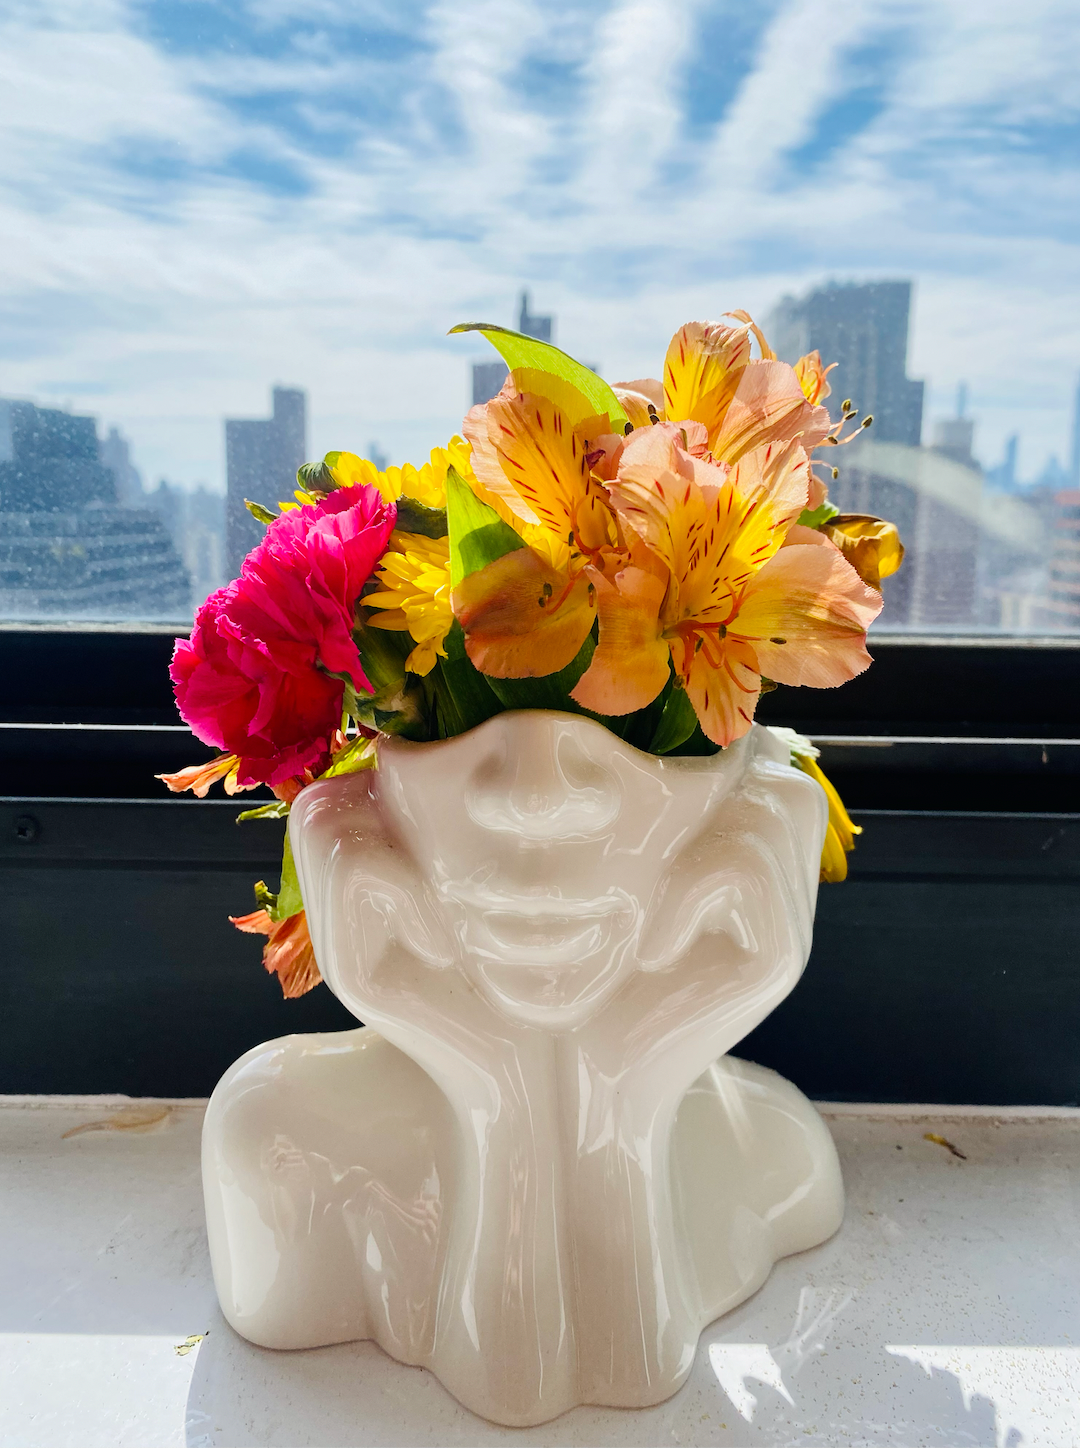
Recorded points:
535,1171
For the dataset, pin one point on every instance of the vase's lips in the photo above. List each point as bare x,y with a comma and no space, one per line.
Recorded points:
543,905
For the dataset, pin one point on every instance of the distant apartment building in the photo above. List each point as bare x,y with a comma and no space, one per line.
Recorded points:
863,328
261,459
1061,608
488,377
68,548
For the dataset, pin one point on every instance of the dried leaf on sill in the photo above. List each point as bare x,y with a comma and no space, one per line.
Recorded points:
942,1141
131,1118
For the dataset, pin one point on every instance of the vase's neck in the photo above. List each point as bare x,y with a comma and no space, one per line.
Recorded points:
558,1278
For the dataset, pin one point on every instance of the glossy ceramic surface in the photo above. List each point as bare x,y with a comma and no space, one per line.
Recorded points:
536,1171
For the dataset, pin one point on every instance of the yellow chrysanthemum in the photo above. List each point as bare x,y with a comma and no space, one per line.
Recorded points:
841,830
426,484
415,595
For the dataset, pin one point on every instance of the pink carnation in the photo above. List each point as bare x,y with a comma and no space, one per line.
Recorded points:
255,679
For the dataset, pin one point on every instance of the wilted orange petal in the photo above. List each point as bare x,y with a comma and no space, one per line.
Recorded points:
806,614
768,406
199,777
518,624
631,663
288,952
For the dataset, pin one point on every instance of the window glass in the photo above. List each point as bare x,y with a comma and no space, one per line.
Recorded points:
237,231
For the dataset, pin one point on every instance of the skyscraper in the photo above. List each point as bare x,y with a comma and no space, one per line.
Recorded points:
67,548
1074,450
863,327
488,377
261,459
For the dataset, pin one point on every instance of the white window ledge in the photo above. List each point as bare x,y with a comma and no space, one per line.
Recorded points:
945,1310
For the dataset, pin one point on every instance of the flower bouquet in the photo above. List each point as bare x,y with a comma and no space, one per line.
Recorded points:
652,554
549,859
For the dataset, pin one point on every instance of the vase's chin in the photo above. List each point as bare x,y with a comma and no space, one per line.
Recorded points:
552,996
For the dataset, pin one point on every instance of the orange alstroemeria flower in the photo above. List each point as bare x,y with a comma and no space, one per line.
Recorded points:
723,585
528,613
743,402
288,952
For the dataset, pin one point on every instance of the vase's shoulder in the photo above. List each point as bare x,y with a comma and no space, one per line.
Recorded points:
325,1163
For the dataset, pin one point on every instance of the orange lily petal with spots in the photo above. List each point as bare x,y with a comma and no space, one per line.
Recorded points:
523,618
631,663
768,406
701,372
805,614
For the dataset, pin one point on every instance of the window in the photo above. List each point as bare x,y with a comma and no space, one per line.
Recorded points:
239,230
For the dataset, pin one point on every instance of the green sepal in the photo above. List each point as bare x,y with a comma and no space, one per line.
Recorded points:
477,534
259,513
317,477
814,518
414,517
677,723
396,703
520,351
278,809
265,898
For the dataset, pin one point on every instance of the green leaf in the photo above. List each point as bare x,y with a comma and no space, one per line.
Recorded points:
358,755
814,518
463,696
258,512
520,351
551,691
288,900
477,534
677,723
278,809
414,517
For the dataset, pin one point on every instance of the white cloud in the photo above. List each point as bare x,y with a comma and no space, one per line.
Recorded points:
432,180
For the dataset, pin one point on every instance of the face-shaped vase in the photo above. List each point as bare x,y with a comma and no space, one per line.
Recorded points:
544,844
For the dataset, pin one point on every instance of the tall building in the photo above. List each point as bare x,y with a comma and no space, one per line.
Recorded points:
1061,609
863,328
261,459
68,549
954,436
488,377
1074,450
115,453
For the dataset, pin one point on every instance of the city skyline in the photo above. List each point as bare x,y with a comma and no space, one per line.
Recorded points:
243,193
1053,469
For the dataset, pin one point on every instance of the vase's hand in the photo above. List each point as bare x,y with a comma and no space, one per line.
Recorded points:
728,940
728,935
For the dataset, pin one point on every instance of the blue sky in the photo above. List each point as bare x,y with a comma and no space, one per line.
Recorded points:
201,198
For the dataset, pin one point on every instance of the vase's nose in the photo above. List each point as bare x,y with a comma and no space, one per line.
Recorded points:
539,779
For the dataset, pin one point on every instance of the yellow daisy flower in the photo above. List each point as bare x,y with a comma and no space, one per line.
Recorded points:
426,484
415,594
